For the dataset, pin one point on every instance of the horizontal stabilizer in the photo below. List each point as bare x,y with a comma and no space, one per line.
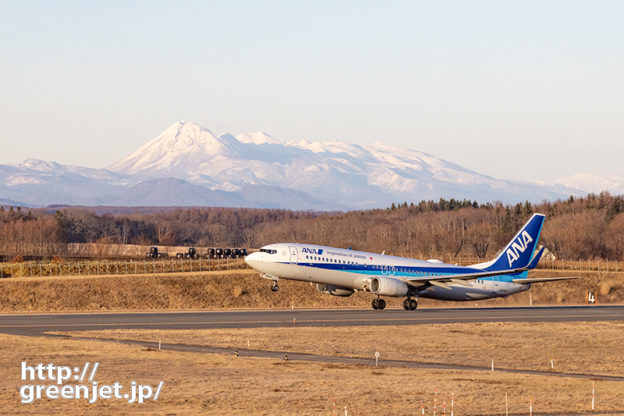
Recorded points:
543,280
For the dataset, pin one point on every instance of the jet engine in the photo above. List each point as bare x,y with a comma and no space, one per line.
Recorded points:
334,290
387,286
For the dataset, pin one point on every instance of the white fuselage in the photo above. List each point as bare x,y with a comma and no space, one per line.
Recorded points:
352,269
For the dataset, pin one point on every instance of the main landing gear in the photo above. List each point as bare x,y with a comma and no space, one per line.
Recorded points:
274,287
378,304
410,304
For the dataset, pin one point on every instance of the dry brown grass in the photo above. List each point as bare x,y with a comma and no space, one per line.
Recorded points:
589,348
244,289
59,267
197,383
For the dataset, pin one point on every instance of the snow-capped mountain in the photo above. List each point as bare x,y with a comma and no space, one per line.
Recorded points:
589,182
189,165
36,182
348,175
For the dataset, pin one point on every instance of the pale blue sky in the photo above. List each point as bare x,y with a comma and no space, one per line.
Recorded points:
529,90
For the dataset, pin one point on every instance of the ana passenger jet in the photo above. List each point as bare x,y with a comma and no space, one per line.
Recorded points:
341,272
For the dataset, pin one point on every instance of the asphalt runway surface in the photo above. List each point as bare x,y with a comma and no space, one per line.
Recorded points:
37,324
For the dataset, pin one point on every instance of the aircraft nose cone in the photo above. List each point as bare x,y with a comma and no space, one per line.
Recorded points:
252,260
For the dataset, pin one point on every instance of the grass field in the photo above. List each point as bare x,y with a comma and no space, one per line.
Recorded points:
597,349
244,289
216,384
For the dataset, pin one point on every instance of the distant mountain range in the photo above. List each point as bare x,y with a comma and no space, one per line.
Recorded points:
188,165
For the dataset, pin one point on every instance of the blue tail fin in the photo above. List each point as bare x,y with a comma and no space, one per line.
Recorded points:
519,251
536,259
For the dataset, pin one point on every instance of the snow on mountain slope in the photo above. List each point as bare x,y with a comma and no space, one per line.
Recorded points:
189,165
182,146
258,137
38,171
38,183
351,175
593,183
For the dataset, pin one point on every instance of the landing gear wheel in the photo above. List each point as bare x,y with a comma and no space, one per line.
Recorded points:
375,303
412,305
381,304
406,304
274,287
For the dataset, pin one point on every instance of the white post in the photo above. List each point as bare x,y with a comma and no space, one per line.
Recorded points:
506,406
452,403
159,345
530,406
492,365
247,342
552,364
376,358
593,393
346,411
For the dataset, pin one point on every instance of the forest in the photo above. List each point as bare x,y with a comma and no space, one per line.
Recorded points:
590,227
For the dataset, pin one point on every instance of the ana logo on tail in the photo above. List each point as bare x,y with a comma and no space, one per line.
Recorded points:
518,247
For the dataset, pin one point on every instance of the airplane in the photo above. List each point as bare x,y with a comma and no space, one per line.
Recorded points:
341,272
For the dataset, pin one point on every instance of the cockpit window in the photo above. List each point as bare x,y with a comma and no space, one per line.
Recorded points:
268,251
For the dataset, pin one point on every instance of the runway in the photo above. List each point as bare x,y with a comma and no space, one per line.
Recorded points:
36,324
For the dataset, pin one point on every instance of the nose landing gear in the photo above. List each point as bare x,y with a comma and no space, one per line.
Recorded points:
378,303
273,279
410,304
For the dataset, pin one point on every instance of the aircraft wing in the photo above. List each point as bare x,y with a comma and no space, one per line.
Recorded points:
460,278
543,279
464,276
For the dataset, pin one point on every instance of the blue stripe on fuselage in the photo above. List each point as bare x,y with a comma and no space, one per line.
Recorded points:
410,271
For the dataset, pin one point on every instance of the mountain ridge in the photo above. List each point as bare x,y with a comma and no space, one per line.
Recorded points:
188,165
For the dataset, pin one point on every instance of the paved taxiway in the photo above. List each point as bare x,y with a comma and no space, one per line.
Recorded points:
35,324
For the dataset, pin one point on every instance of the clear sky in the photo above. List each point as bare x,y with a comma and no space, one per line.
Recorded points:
530,90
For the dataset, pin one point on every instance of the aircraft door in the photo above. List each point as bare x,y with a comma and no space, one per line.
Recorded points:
293,255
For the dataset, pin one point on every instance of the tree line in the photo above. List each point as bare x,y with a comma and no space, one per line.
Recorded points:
576,228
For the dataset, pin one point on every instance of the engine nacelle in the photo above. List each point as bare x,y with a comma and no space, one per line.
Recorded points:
387,286
334,290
